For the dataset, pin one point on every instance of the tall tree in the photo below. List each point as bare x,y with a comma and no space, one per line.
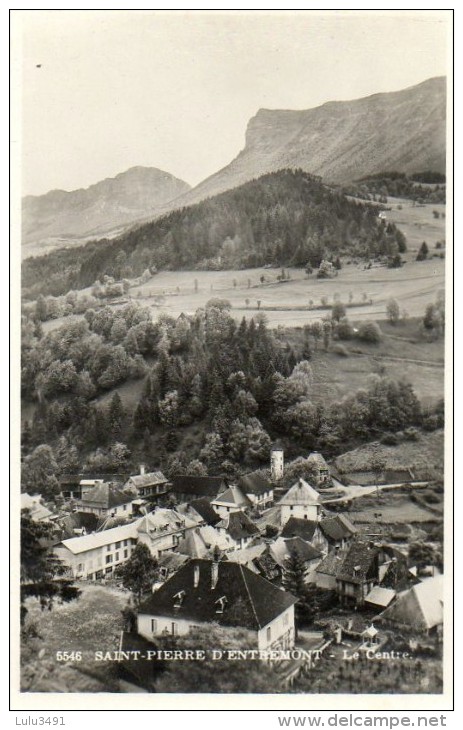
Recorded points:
43,575
139,572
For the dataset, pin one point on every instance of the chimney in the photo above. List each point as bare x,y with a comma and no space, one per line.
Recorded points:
196,576
214,574
142,469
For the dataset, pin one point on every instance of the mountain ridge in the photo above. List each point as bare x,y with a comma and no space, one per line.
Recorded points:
104,205
373,134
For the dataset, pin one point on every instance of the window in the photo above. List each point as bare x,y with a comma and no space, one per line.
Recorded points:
269,634
154,626
179,599
221,603
109,559
80,567
108,570
116,557
118,544
126,542
108,548
126,553
174,628
124,507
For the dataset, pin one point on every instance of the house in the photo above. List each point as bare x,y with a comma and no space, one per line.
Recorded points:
103,499
257,489
203,592
301,501
206,511
308,530
259,559
188,488
201,542
95,556
321,469
231,500
78,523
169,563
379,598
86,485
420,608
327,570
37,510
163,529
333,531
200,509
282,549
149,485
338,531
358,573
239,528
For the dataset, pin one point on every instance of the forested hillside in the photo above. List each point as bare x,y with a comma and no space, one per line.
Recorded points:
284,218
214,396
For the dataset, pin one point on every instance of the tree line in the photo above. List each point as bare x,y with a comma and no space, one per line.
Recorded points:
281,219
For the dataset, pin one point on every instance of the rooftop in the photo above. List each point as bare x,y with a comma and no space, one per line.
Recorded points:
298,527
380,596
421,607
98,539
148,480
222,592
300,493
254,483
337,527
232,497
238,525
104,496
196,486
282,549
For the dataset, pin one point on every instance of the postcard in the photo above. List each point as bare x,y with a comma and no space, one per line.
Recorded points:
232,451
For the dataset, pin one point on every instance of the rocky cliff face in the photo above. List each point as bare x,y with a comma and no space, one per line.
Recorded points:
343,140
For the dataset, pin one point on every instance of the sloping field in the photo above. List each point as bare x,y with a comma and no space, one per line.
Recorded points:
427,452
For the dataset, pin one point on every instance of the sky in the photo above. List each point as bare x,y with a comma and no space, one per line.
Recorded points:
103,91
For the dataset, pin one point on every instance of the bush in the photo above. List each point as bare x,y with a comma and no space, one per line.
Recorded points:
389,439
369,332
411,434
340,350
344,329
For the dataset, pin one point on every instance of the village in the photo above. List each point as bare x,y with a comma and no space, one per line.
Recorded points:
310,584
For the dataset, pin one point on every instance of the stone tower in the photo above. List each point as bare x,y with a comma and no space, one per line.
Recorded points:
277,463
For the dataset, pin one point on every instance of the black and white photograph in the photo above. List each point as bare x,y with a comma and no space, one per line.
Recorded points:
234,384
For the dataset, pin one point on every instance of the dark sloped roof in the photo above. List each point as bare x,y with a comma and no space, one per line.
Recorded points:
205,510
332,563
297,527
106,496
238,525
358,561
337,527
267,565
251,601
232,496
254,483
77,521
303,550
198,486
